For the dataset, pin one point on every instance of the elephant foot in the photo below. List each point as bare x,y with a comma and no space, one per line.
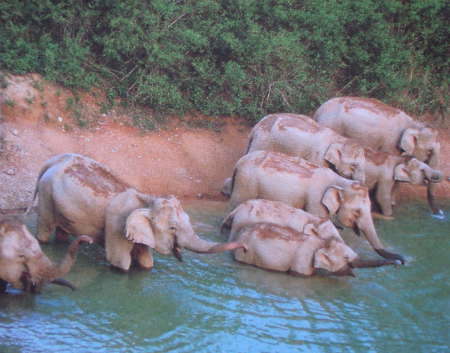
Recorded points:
391,256
377,215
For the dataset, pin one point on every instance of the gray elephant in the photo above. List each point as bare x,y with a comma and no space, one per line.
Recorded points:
384,170
383,128
75,195
22,262
301,184
135,225
274,247
299,135
274,212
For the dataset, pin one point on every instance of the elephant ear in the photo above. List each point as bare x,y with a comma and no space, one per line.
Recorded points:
138,228
409,140
401,173
333,153
332,199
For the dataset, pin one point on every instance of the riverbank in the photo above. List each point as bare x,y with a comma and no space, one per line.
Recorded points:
40,119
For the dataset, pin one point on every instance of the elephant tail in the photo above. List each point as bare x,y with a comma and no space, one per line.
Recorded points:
48,164
250,142
233,178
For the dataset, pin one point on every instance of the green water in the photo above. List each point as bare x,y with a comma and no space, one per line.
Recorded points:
209,303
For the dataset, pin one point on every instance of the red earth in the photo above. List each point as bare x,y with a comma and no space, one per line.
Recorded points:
38,120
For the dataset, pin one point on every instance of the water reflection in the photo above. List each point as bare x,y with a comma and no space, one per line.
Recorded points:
209,303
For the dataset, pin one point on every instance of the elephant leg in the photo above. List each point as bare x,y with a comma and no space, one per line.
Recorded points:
3,285
46,219
384,197
143,256
61,235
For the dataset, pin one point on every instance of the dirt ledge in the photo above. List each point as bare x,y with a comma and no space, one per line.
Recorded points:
38,120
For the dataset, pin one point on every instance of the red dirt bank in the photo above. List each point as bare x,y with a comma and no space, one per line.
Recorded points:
189,163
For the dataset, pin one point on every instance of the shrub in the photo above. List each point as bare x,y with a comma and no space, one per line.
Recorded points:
231,57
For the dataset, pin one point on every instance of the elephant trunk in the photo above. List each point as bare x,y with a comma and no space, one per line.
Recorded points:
69,259
358,263
71,255
368,228
199,245
431,199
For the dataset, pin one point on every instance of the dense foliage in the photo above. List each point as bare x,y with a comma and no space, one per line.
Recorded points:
235,57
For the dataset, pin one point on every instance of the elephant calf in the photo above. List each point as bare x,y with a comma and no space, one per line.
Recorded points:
384,170
300,136
298,183
22,262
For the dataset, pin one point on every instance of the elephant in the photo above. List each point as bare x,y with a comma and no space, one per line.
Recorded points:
384,170
75,195
383,128
135,225
22,262
301,184
299,135
274,212
274,247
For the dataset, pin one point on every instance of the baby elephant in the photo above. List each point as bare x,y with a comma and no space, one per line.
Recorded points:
22,262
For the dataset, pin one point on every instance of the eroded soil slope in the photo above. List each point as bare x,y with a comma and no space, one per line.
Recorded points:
40,120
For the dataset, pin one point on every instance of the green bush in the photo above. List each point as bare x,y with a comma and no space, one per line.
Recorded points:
232,57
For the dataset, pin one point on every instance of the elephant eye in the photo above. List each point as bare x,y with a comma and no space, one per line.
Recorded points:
172,228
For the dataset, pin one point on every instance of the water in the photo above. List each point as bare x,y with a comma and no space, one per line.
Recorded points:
209,303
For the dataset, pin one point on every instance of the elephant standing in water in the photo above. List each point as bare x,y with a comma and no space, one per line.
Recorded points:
274,247
299,135
382,128
135,225
300,184
77,195
22,262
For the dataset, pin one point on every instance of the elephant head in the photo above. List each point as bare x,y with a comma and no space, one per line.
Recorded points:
166,227
422,144
347,159
416,172
335,257
22,262
351,207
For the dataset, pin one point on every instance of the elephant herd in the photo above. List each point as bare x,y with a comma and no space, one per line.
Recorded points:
300,180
